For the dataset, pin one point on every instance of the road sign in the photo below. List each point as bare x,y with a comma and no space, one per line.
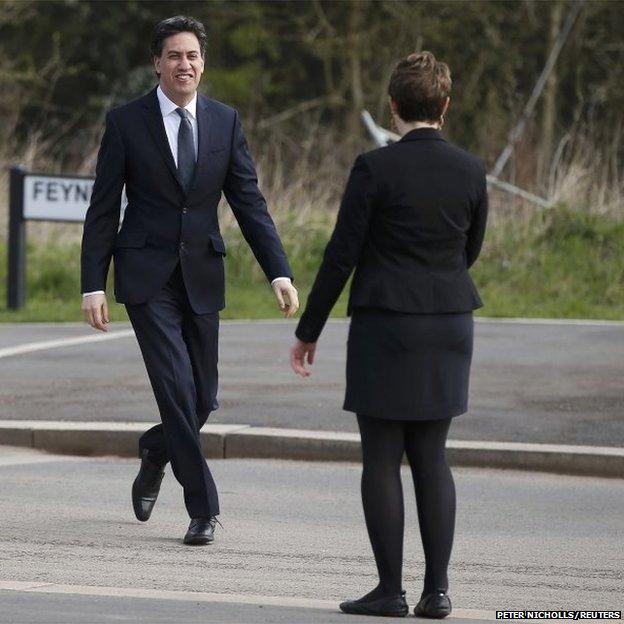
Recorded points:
56,198
41,197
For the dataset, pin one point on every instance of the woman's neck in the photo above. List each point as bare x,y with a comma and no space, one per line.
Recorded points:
403,127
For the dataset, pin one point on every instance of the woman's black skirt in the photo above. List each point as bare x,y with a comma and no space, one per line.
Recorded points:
408,366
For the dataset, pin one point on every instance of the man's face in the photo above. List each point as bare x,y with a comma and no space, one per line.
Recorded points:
180,66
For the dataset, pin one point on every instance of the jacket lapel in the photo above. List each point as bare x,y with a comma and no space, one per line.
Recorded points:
204,128
153,119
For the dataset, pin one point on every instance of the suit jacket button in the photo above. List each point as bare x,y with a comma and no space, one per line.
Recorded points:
184,210
181,245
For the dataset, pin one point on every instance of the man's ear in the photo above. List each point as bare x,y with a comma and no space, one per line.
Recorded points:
156,61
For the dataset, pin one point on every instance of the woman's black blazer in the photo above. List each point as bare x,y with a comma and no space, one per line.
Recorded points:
411,222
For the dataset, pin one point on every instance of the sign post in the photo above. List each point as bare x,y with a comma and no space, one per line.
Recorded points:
41,197
16,286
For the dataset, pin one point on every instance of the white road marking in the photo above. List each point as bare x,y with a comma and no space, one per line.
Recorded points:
247,599
44,345
549,321
478,319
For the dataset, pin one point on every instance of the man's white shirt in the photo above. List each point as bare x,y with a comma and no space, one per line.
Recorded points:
171,121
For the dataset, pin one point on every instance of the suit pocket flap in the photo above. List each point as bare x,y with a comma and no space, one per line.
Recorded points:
131,239
217,244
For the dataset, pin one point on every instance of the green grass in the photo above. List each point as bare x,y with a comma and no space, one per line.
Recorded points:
560,264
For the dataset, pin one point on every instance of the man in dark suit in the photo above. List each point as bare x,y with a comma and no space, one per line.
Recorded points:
176,152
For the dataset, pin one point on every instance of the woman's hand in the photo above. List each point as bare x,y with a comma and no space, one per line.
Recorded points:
298,353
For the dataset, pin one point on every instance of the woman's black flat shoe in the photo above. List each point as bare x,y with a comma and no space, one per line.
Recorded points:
434,605
387,606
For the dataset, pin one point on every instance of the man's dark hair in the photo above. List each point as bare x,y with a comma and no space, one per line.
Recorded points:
173,26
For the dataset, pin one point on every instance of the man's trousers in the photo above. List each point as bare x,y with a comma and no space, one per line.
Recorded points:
180,351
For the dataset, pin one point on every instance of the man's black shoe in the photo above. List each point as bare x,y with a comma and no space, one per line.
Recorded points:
435,604
386,606
200,531
146,487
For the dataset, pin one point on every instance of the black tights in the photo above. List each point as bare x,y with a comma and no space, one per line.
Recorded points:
383,444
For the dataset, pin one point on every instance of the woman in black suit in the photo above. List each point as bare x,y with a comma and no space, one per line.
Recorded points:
411,223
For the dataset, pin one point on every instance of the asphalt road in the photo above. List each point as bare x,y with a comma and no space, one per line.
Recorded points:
551,383
293,531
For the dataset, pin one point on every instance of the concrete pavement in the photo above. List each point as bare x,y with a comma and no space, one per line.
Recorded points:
293,531
49,606
244,441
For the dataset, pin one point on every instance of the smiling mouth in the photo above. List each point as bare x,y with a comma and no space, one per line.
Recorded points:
184,77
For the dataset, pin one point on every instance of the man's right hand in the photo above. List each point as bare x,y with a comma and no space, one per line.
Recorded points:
95,309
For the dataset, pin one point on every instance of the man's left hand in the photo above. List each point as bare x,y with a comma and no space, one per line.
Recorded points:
287,297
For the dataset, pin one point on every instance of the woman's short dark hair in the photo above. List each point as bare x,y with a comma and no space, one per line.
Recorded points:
173,26
420,85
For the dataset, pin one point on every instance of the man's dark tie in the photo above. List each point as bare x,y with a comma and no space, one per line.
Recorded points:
186,149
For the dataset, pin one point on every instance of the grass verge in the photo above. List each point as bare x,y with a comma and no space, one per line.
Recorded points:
559,264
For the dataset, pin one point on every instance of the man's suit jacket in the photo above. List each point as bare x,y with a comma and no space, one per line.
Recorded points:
411,222
162,224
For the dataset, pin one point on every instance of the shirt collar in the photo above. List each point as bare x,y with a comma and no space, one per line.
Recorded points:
423,132
167,106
